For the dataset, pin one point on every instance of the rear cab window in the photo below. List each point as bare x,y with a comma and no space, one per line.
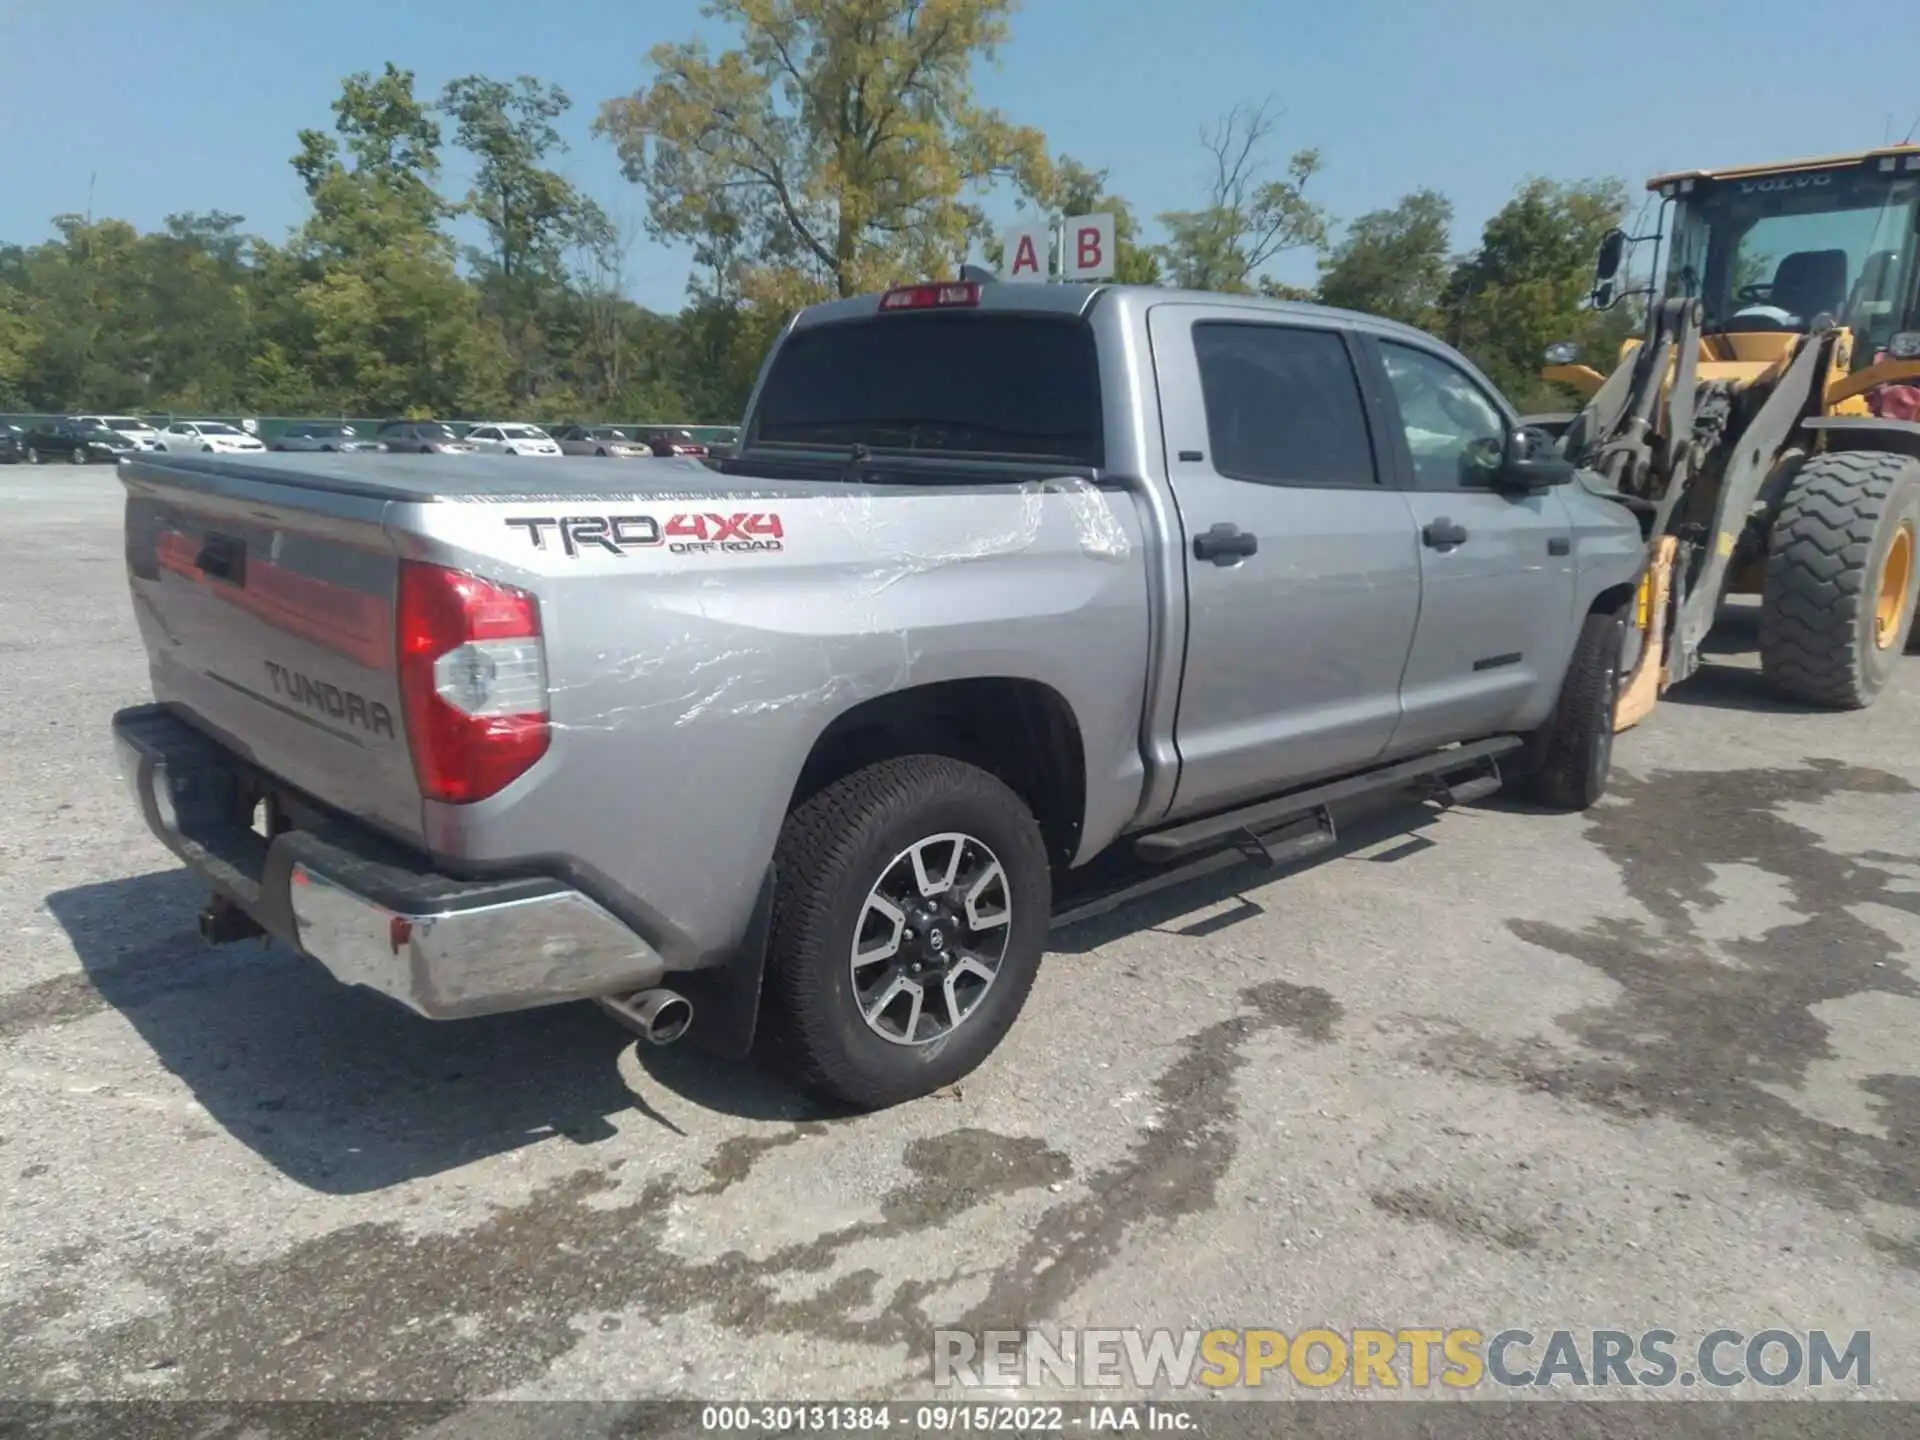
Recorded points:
987,385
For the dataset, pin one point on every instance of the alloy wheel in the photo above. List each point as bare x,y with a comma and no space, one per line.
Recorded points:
930,939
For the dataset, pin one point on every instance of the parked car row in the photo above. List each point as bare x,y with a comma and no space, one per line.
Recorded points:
82,440
86,439
490,437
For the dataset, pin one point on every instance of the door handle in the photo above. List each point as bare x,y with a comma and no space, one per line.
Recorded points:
1224,544
1443,534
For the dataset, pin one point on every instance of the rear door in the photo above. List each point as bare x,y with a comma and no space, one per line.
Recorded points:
1303,578
1498,572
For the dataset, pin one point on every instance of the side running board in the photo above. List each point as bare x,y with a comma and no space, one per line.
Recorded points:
1453,776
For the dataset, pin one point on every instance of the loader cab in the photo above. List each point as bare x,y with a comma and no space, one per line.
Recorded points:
1773,251
1772,254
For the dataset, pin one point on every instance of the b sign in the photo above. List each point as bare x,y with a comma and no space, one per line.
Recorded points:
1026,253
1086,247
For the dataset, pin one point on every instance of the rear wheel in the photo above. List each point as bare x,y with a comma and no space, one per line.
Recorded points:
912,909
77,456
33,456
1567,761
1842,579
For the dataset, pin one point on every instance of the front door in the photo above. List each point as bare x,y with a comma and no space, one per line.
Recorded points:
1303,577
1497,568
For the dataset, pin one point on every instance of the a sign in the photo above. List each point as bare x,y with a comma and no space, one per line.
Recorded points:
1086,247
1027,253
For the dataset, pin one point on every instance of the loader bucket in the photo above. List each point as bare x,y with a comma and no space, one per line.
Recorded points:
1649,678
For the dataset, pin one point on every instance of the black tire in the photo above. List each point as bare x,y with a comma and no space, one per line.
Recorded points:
1567,760
1820,640
837,847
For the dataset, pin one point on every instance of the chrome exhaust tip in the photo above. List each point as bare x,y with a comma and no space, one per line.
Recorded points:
659,1017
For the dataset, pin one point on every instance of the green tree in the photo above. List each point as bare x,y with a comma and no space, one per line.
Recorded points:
535,219
1080,190
839,140
1526,284
1247,220
533,215
198,312
1393,263
380,319
391,137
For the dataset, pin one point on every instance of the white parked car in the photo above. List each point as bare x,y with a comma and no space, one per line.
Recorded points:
213,436
130,428
494,439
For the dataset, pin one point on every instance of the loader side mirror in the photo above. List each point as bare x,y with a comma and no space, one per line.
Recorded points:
1532,461
1606,269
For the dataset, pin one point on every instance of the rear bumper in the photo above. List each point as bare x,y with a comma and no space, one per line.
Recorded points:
372,913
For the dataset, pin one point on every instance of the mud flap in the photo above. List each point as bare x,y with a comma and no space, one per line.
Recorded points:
726,998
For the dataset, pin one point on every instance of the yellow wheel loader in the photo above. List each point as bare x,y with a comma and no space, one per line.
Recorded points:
1766,424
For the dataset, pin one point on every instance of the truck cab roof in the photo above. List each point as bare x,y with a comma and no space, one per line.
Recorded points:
1076,299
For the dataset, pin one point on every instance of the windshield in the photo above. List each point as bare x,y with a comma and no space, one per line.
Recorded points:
523,432
208,427
609,432
123,422
1775,252
1005,386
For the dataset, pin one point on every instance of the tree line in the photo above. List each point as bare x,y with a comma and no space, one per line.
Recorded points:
836,147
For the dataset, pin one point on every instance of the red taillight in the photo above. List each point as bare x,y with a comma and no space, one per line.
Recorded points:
473,680
932,297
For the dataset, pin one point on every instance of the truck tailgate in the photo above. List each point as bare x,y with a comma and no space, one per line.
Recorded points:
267,611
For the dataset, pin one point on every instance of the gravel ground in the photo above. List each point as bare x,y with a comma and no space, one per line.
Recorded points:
1651,1067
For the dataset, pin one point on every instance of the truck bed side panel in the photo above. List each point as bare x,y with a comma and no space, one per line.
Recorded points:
689,685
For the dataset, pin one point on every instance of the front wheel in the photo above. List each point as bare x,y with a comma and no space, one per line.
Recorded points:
33,456
911,912
1567,761
76,456
1842,578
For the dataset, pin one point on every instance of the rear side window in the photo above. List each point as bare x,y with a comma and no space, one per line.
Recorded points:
998,386
1283,405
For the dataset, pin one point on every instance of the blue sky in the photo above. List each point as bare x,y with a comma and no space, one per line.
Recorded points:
193,105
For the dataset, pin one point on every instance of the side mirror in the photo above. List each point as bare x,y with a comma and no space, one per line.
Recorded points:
1606,269
1533,461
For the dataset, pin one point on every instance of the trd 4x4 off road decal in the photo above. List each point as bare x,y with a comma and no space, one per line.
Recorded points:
681,534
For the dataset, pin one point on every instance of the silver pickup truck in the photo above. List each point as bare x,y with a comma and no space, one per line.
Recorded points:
806,742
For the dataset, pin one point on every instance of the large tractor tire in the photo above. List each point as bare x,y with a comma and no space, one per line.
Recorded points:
1842,577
